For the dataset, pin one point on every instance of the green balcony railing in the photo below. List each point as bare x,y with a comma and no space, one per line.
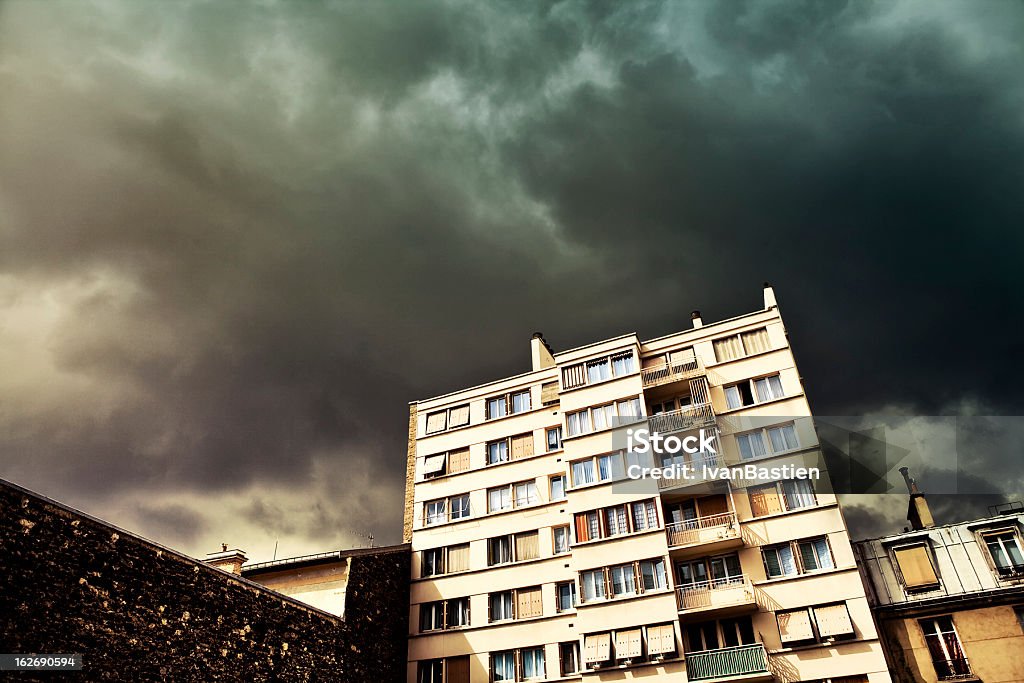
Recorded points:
729,661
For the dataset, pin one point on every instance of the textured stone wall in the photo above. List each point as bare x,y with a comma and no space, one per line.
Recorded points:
410,476
139,612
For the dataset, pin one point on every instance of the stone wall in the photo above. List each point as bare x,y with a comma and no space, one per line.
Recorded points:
137,611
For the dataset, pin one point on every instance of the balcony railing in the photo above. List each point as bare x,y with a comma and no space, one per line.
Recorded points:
726,662
690,417
953,669
693,475
702,529
671,372
715,593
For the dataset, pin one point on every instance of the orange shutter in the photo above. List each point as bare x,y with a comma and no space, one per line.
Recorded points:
549,392
628,644
458,461
713,505
582,530
522,446
764,500
916,566
795,626
457,669
833,620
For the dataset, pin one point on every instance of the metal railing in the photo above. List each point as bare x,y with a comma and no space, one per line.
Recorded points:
690,417
702,529
726,662
695,473
725,592
671,372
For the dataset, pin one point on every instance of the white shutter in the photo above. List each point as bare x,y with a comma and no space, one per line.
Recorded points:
795,626
833,620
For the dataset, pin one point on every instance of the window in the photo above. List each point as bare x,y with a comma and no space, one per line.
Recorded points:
522,446
554,436
435,561
520,494
610,467
509,403
645,515
431,671
497,451
500,605
533,662
588,526
797,494
432,616
753,391
783,438
629,644
513,548
751,445
601,417
1004,548
798,557
592,585
944,646
569,657
432,562
583,472
503,666
526,494
448,419
434,466
598,370
499,499
436,511
529,603
459,506
457,557
740,345
557,486
458,461
560,537
652,575
615,520
833,621
778,561
622,580
499,550
771,499
916,567
565,596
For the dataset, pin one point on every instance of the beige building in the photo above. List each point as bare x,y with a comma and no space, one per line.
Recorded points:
537,556
949,600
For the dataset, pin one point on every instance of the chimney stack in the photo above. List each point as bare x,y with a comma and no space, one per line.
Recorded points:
918,513
541,355
228,560
769,297
695,319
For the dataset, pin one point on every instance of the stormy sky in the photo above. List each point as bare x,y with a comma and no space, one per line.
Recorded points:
236,239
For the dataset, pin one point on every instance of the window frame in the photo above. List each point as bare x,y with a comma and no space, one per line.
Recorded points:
752,388
448,426
581,369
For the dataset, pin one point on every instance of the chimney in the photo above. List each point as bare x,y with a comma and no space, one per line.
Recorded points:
769,297
540,352
695,319
918,513
228,560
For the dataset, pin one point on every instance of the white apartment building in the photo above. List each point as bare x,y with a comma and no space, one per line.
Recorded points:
534,557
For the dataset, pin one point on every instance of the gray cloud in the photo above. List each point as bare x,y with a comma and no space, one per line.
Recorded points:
234,242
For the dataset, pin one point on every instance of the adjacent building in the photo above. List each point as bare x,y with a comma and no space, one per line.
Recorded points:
949,599
537,557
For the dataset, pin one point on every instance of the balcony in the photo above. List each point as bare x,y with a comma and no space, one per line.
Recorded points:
721,529
676,371
726,663
731,594
684,419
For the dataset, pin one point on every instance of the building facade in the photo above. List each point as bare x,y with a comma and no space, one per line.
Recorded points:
949,599
536,555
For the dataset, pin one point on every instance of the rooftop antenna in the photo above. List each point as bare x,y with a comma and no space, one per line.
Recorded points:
276,541
370,536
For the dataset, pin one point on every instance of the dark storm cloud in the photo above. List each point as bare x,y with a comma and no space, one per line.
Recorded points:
235,241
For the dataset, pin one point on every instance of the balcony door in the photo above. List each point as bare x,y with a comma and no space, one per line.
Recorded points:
725,570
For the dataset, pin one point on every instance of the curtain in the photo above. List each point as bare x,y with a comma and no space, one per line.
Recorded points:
732,397
728,348
799,493
458,558
527,546
497,407
503,666
521,402
755,341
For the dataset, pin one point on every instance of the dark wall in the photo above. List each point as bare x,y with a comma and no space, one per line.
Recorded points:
139,612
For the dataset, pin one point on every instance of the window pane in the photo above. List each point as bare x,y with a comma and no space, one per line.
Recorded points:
521,402
496,407
732,397
582,472
597,371
554,438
